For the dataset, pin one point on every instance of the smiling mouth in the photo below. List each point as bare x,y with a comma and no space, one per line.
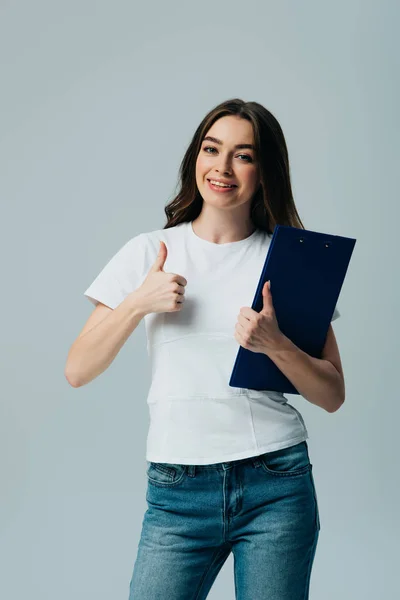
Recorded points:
222,186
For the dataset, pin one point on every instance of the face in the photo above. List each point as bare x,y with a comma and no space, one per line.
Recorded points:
220,158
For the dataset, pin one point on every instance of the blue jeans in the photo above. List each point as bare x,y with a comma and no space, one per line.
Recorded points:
264,509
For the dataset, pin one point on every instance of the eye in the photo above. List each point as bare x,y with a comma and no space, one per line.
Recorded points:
212,148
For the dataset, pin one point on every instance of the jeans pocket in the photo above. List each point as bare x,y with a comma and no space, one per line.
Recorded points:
287,462
165,474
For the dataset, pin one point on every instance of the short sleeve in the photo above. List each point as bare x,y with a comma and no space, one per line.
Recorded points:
336,314
119,277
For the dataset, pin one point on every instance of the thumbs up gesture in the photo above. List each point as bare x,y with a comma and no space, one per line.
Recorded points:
259,332
161,291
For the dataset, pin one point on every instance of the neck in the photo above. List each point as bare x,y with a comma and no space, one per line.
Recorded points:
224,231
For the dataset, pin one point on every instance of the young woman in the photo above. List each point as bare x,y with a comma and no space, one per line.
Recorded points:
228,468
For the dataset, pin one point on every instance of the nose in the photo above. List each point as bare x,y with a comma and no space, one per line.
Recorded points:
224,168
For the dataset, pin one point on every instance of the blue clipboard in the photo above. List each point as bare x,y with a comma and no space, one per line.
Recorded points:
306,270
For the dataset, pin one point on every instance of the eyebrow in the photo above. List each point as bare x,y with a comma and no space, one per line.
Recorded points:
217,141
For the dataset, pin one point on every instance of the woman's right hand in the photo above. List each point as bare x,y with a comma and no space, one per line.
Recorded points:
160,291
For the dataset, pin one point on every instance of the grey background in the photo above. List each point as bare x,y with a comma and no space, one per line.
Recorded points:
98,103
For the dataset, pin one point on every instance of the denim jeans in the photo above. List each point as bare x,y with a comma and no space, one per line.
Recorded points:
263,509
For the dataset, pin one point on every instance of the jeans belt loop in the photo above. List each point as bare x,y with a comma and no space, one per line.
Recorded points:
191,470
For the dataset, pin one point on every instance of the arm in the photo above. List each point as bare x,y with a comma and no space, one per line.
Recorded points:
318,380
102,337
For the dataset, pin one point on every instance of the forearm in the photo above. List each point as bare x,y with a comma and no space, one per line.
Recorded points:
317,380
93,352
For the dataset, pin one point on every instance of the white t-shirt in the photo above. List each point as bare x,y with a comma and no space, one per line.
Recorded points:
195,416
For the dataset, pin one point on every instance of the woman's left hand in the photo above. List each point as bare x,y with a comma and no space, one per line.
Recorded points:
259,331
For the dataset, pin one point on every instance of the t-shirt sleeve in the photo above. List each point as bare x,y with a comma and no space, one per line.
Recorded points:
119,277
336,314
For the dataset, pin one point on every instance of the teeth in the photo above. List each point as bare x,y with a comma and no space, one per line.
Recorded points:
219,183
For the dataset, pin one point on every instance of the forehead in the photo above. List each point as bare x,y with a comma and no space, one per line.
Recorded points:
232,130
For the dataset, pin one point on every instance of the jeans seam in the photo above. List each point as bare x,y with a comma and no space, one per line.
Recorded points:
310,563
219,552
316,517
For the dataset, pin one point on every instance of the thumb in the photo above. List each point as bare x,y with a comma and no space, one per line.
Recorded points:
161,258
266,293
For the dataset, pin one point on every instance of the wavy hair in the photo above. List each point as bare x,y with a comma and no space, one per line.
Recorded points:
273,201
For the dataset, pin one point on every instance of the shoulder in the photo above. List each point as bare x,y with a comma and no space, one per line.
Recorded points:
262,240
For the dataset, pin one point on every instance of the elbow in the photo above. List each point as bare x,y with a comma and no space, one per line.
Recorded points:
71,370
339,396
336,405
338,400
73,382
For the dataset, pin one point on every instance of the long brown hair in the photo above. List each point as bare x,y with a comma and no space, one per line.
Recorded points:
273,202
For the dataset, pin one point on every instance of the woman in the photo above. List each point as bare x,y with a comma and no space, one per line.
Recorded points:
228,468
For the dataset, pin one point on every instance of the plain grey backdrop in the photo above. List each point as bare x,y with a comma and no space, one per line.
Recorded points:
98,103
